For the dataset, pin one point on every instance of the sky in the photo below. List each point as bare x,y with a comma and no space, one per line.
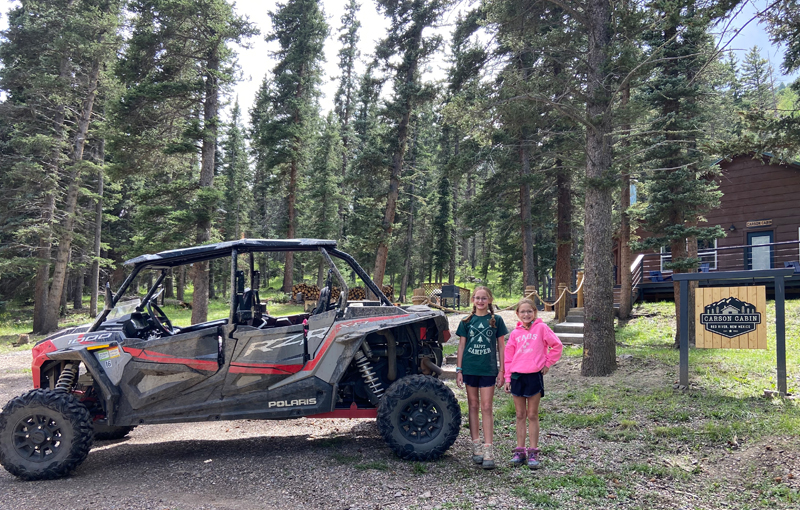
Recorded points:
255,61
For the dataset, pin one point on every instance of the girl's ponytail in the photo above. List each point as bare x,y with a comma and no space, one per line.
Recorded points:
491,320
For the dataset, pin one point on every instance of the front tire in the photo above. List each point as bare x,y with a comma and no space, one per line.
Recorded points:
419,418
44,434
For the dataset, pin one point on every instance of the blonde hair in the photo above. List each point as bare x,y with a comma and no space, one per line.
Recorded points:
526,301
491,307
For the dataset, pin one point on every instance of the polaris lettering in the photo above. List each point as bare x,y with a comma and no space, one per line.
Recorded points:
293,403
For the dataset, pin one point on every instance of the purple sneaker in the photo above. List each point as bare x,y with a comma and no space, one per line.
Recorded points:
533,458
519,457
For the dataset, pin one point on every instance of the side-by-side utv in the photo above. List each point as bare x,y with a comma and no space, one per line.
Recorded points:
131,366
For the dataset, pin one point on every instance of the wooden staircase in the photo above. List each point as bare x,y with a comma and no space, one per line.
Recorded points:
571,330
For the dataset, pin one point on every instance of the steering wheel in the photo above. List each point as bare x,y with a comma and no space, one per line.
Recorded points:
160,319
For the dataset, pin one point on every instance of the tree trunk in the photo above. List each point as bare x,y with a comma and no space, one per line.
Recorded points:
563,273
209,147
98,229
71,202
212,293
409,243
169,284
181,287
624,269
599,348
77,290
528,267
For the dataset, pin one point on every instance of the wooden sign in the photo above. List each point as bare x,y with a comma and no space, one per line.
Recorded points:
731,318
758,223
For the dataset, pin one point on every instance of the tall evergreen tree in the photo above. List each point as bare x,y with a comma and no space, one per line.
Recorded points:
409,19
176,66
300,30
237,179
53,56
678,186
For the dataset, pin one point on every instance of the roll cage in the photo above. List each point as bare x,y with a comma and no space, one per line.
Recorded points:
240,297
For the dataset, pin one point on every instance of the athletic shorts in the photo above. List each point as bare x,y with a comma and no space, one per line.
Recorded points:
480,381
527,385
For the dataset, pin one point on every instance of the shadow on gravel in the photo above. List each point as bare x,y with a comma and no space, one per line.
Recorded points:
115,458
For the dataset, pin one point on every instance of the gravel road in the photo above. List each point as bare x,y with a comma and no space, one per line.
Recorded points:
311,463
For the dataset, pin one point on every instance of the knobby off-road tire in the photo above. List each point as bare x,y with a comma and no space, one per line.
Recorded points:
103,432
419,418
44,434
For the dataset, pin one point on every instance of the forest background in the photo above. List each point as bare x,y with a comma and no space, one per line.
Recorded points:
518,163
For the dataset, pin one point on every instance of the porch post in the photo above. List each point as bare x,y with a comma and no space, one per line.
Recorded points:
780,333
684,333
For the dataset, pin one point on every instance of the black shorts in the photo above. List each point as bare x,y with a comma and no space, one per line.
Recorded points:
527,385
480,381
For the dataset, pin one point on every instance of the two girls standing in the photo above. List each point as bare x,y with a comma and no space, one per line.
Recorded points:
532,349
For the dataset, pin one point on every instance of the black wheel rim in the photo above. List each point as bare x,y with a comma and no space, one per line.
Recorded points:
37,438
420,420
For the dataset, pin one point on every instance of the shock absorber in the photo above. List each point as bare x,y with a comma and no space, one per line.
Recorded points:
67,378
365,367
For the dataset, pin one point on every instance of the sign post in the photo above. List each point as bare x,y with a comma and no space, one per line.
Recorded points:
743,318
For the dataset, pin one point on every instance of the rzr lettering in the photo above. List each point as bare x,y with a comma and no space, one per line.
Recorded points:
268,345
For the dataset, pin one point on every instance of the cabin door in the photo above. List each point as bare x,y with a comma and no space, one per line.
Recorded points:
759,257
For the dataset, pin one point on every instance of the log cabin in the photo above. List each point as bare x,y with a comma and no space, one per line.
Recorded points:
760,213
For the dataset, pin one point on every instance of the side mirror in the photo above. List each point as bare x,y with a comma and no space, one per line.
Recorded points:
109,297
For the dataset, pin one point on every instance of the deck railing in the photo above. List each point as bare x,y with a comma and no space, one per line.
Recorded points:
726,258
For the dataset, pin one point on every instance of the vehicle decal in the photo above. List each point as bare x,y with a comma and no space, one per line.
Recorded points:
277,343
258,368
335,331
158,357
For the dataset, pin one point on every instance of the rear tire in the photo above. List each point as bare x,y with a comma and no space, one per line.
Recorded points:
419,418
44,434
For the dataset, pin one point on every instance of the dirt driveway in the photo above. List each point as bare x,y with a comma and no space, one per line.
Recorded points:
344,464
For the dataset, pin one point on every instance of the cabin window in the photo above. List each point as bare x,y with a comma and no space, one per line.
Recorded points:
706,251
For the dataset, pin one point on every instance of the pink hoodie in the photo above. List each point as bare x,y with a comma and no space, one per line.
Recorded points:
528,351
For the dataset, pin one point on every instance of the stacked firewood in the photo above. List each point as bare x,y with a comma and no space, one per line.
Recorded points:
356,293
311,293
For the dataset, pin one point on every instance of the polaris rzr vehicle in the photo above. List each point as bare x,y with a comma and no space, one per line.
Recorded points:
132,366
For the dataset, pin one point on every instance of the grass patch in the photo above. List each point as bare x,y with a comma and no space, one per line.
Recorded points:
419,468
341,458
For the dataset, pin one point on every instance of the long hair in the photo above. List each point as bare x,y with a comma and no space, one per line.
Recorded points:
491,306
526,301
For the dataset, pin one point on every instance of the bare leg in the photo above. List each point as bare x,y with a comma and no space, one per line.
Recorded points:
474,409
533,419
487,415
520,404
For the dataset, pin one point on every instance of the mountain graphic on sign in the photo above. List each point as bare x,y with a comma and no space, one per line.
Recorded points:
730,306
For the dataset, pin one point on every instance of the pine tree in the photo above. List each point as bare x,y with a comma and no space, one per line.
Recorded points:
679,187
300,30
237,179
409,19
757,82
53,58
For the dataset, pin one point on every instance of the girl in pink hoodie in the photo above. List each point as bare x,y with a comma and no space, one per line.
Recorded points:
531,350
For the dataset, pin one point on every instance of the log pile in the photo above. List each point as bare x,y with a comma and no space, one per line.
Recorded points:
311,293
356,294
